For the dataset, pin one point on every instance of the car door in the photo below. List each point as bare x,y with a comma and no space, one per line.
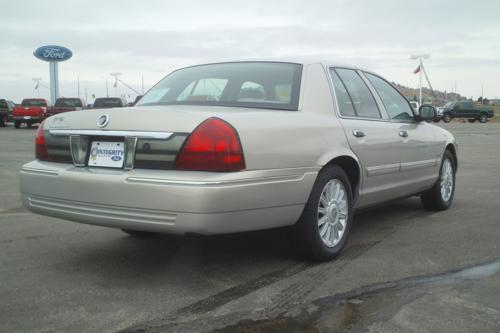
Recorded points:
459,110
469,110
417,148
370,135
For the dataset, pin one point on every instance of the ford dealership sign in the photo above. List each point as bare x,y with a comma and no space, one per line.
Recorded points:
53,53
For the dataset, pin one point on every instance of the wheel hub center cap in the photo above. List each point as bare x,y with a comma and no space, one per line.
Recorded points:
333,213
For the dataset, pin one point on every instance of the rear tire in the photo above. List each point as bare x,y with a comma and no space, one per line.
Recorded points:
3,121
447,117
326,221
471,120
29,124
436,120
483,118
17,123
440,196
137,233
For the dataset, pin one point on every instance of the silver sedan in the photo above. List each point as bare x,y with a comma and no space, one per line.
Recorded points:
240,146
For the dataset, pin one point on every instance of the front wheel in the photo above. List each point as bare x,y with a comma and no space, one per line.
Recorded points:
440,196
17,124
3,121
483,118
447,117
324,226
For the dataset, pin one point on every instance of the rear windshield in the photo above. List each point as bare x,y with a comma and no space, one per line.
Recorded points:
107,102
270,85
33,102
68,102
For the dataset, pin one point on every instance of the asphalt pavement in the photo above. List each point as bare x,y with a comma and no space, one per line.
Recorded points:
404,269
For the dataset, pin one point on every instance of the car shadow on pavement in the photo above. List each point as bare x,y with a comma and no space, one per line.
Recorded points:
156,254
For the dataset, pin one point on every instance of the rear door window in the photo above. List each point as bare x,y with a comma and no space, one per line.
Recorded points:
362,99
344,101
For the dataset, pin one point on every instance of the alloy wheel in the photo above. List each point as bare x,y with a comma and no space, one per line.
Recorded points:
447,180
332,212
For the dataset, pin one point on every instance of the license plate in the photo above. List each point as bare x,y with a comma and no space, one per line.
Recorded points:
27,117
106,154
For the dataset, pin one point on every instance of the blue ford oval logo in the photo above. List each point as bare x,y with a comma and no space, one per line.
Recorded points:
116,158
53,53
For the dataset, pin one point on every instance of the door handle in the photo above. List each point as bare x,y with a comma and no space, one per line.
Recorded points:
403,134
358,133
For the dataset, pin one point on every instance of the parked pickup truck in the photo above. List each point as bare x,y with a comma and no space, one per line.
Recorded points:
109,102
465,109
31,111
65,104
6,107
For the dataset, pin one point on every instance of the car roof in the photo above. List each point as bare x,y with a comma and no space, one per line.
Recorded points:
294,60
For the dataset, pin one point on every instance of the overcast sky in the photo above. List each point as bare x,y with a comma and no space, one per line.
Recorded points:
150,38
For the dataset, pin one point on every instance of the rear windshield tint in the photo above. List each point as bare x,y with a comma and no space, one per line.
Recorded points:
271,85
68,102
108,102
33,102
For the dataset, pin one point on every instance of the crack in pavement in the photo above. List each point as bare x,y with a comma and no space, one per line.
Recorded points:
304,315
215,301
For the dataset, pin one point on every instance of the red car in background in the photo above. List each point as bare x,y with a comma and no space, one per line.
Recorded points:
31,111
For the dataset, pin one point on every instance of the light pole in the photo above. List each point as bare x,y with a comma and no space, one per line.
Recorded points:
115,75
420,70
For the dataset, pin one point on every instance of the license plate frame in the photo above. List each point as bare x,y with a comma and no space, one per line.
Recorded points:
106,154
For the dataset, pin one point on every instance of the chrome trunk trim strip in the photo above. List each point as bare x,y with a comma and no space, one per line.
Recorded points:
137,134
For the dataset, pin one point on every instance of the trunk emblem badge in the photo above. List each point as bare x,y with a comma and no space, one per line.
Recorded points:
103,120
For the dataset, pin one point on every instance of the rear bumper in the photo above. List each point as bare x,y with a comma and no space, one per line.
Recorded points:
167,201
28,118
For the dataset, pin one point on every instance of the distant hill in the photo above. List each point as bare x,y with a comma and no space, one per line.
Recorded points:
439,98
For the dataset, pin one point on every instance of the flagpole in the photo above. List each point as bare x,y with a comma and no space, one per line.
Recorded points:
37,86
420,68
420,84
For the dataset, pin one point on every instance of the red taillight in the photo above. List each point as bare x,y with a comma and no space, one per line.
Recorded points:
41,151
213,146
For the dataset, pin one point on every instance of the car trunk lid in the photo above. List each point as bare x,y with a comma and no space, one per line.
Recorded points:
156,133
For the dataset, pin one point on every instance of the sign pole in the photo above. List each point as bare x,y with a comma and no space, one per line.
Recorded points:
54,82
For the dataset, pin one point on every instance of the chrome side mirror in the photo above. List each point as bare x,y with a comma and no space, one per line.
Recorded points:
427,112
